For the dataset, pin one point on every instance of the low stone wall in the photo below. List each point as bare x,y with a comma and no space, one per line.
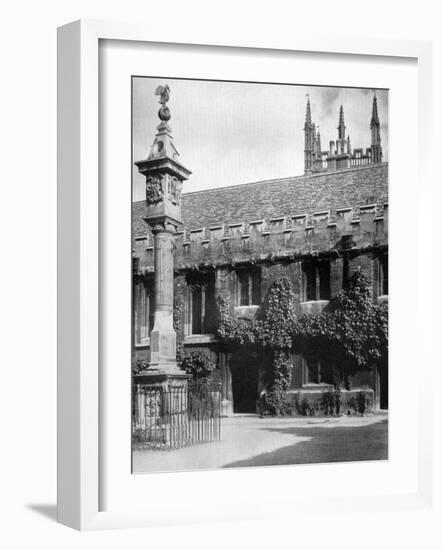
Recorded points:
312,401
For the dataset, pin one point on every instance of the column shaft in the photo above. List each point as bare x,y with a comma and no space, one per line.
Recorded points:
164,272
163,337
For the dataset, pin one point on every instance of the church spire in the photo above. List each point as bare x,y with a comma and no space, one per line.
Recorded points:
376,150
341,125
308,119
309,129
375,121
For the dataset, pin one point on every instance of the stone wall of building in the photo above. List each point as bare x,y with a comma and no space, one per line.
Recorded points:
365,239
350,237
275,241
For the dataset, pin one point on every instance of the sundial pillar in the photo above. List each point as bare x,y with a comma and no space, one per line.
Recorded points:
164,181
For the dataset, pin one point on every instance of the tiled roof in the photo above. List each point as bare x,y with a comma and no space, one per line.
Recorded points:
281,197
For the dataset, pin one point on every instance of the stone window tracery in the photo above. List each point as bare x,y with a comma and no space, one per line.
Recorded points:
200,304
143,311
248,287
383,275
312,373
317,280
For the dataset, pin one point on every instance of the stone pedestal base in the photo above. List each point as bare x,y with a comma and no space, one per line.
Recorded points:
161,407
165,376
164,372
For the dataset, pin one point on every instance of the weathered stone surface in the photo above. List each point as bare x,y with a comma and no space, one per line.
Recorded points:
162,214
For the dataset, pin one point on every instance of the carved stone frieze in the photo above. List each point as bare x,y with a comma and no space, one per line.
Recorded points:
154,190
174,190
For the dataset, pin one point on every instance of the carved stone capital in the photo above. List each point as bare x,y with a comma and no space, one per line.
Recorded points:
162,226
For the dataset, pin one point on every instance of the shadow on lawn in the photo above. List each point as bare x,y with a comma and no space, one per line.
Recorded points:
335,444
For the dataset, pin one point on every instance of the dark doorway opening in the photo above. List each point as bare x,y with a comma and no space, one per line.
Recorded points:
244,370
384,387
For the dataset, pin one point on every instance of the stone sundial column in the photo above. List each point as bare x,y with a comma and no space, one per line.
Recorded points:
163,338
164,181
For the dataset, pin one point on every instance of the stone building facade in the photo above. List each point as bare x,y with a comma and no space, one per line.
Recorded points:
315,229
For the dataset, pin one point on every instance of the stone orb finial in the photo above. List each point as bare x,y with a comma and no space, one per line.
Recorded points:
164,113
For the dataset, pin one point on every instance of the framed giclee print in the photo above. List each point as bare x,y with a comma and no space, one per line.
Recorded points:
230,260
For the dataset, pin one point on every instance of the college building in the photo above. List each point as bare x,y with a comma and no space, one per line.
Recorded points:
315,229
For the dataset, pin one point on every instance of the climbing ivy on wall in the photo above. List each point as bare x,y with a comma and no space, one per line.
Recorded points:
351,334
274,329
198,364
178,321
271,334
277,316
232,332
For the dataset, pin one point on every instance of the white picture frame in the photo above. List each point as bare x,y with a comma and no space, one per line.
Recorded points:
79,391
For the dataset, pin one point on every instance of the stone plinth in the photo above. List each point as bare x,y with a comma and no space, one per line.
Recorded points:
161,409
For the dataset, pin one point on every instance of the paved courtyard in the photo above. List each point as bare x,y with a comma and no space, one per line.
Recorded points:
250,441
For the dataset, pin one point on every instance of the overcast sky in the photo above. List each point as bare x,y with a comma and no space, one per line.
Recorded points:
229,133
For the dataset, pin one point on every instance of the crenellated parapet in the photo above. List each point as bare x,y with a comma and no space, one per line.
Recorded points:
284,238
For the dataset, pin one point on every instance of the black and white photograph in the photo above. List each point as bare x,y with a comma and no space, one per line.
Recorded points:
221,275
259,274
221,281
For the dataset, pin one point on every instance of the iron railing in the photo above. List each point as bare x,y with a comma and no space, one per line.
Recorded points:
175,418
